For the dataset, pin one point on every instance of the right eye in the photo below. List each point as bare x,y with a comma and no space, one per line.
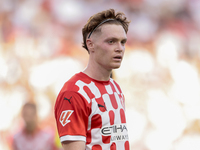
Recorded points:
110,42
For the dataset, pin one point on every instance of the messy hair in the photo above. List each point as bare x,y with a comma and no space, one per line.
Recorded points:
93,22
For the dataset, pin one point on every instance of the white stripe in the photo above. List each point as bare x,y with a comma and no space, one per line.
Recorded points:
72,138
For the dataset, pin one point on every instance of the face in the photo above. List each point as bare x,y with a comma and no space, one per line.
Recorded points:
30,117
109,46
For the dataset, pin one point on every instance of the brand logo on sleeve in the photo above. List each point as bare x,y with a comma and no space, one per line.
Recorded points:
69,100
64,117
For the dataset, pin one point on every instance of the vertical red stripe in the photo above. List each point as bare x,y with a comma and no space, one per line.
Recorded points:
113,101
106,139
96,147
112,117
89,137
96,121
122,115
126,145
113,146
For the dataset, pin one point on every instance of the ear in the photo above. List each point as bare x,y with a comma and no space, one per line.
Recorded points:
90,45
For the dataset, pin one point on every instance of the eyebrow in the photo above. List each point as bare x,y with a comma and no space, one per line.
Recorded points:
114,38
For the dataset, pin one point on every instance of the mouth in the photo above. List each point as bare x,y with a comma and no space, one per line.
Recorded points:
119,58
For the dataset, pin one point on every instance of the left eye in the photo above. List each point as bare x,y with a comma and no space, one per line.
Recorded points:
110,42
123,42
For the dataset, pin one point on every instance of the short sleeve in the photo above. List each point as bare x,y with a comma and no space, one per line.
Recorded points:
71,113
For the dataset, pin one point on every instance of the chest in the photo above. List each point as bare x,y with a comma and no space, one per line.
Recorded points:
106,103
39,141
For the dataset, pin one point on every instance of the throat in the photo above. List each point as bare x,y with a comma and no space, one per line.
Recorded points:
97,74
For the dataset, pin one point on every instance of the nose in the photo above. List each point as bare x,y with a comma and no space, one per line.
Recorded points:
120,47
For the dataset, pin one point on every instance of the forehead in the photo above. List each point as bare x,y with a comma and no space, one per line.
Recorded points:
112,30
28,109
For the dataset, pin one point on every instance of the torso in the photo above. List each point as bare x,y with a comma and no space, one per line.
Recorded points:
106,122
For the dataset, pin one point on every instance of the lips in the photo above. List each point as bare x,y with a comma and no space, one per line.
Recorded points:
119,57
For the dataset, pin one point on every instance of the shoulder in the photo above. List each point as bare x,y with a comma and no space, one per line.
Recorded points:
113,81
69,100
68,95
18,135
46,133
70,85
116,85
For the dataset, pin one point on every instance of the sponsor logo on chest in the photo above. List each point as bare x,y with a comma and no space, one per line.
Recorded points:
118,132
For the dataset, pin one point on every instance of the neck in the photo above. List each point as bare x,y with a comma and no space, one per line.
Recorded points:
30,129
97,72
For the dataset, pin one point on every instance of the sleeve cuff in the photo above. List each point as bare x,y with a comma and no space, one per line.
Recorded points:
72,138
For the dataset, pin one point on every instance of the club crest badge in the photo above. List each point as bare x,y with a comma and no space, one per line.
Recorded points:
64,117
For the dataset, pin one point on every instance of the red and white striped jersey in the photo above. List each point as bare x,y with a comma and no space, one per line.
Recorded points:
92,111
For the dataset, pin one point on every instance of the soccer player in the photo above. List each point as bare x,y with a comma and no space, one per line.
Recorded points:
89,109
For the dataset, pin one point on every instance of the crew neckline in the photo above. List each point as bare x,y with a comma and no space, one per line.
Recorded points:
83,74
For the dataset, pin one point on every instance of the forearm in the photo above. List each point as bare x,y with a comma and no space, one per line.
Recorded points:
73,145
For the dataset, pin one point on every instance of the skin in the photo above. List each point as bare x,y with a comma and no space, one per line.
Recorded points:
73,145
104,48
30,118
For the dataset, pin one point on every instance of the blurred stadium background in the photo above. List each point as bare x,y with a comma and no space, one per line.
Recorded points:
40,48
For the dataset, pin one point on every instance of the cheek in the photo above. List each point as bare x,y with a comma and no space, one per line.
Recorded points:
102,49
101,45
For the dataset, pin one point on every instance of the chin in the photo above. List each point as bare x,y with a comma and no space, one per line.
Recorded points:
116,67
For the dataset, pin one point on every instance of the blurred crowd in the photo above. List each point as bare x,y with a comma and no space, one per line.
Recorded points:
41,47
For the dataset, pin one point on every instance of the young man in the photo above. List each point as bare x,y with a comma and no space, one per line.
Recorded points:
89,110
31,136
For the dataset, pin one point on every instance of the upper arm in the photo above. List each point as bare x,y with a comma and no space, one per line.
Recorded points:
73,145
71,113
